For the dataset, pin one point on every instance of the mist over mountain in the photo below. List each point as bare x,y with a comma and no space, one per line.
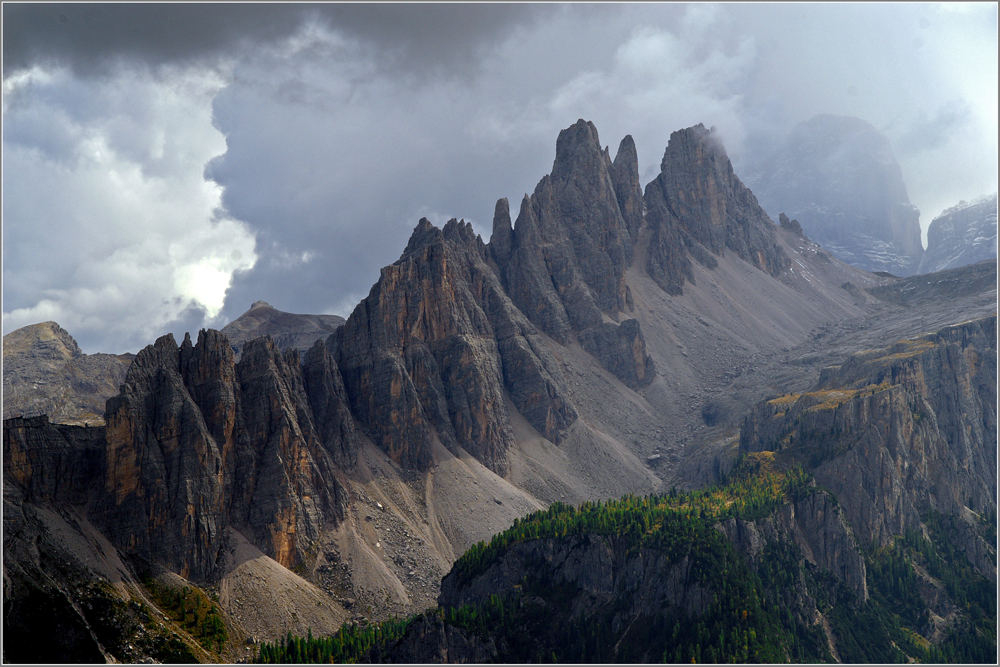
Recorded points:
781,469
839,177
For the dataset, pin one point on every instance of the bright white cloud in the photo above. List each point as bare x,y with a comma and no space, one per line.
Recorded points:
112,230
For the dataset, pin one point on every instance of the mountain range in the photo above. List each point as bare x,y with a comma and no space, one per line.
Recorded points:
610,340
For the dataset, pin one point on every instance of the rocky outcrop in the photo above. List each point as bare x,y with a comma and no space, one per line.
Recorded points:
625,178
838,176
196,442
429,639
428,354
697,208
45,372
898,432
794,226
963,234
564,262
621,349
289,331
596,569
578,204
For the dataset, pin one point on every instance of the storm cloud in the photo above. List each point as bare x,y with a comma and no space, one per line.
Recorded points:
284,152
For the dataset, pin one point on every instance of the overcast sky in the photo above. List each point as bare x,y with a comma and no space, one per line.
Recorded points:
166,165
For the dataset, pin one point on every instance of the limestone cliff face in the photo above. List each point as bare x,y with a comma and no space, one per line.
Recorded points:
428,354
599,572
196,442
582,226
817,526
897,432
625,178
52,463
697,208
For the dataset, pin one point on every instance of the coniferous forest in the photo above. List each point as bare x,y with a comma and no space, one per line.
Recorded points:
753,611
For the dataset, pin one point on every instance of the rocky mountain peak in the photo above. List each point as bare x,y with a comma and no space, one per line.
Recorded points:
45,339
698,208
45,372
577,145
625,177
188,423
503,234
288,330
425,233
462,233
572,231
696,141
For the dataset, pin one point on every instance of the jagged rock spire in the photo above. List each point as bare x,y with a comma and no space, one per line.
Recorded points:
698,208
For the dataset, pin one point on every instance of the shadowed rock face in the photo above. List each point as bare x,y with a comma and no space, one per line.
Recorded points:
838,176
697,208
564,263
625,177
52,463
196,442
570,243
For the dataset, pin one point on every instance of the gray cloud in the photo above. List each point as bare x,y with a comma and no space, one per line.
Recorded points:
92,38
338,126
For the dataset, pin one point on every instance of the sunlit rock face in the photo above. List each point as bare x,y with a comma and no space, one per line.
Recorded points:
838,176
46,372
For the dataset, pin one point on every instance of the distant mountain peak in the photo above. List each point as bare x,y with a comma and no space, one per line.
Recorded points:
839,177
962,234
289,330
44,338
45,372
